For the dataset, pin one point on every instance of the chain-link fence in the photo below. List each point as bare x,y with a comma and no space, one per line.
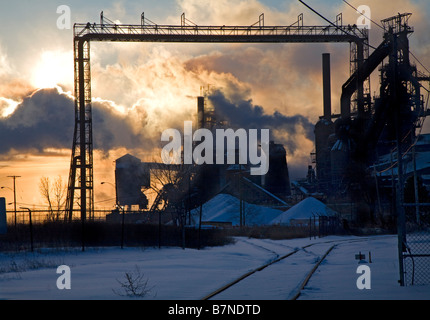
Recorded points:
44,216
321,226
416,251
35,229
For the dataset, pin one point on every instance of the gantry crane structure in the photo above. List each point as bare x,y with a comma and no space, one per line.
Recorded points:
81,181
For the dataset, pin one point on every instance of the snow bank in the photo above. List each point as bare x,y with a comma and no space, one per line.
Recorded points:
225,208
303,210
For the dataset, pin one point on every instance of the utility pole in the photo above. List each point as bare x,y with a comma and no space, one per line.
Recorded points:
377,190
401,229
14,193
417,200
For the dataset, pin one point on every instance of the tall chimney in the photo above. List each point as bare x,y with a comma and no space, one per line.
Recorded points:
326,85
201,112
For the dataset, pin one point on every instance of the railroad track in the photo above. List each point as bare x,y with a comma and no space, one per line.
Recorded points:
302,282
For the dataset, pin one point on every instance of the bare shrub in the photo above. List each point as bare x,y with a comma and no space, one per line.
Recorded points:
134,284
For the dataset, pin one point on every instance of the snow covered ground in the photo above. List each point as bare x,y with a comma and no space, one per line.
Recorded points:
176,274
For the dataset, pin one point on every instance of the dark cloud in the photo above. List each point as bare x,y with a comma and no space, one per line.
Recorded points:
112,130
45,119
42,120
244,114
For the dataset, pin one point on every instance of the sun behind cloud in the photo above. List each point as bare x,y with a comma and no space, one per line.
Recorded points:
52,68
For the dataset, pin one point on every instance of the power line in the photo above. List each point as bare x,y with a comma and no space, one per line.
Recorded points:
422,65
363,14
106,200
337,27
34,205
322,17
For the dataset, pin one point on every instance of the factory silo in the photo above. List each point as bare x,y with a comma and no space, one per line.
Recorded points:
277,179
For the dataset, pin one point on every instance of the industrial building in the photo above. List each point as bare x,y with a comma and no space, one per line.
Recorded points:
131,178
276,180
369,144
196,184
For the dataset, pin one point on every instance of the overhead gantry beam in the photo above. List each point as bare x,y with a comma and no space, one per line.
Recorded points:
220,34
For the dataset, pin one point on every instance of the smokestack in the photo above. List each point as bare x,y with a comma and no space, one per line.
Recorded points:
326,85
201,112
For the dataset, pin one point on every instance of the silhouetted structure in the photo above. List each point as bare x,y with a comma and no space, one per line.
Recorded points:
366,130
131,177
277,179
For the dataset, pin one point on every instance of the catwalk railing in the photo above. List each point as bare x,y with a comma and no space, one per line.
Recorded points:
94,29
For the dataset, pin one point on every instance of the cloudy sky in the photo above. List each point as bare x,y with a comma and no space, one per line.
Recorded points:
139,90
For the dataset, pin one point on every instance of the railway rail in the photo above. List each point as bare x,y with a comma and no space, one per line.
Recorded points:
302,280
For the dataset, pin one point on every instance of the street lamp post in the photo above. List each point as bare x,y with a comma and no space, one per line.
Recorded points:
122,227
116,191
14,193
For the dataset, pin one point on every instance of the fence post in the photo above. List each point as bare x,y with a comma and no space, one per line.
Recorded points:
3,218
122,228
31,230
314,223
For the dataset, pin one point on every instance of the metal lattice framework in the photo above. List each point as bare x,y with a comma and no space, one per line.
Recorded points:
81,169
148,31
81,183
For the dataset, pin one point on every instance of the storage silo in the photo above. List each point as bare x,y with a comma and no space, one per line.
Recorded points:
277,179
